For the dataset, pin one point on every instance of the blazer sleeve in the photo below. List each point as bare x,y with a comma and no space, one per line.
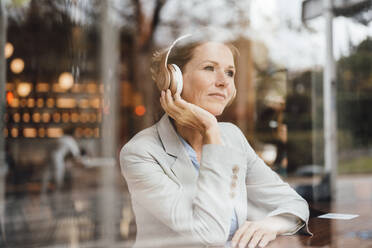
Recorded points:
204,218
268,191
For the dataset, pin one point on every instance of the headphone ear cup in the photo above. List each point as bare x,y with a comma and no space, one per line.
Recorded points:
178,78
176,81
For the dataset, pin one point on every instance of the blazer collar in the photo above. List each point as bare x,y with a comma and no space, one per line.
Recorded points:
169,136
182,166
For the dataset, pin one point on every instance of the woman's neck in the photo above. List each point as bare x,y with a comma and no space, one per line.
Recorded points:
192,136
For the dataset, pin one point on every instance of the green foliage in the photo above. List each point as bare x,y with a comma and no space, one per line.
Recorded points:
19,3
355,70
355,93
357,165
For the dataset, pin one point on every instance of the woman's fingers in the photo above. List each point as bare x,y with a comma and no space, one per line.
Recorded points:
168,105
165,106
179,101
179,114
251,234
257,236
171,105
239,233
266,239
247,236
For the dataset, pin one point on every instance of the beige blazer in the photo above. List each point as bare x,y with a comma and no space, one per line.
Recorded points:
174,205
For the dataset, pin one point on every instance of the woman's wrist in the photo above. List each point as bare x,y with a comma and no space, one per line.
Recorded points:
284,223
212,135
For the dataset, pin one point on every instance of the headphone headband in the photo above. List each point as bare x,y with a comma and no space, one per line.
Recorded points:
171,46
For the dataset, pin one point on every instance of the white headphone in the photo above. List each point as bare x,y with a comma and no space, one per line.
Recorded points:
173,78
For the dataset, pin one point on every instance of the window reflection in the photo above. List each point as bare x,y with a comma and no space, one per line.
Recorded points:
58,85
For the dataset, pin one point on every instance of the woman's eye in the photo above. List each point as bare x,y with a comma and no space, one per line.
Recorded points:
209,68
230,73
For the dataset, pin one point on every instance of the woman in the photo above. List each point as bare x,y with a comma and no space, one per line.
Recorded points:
193,179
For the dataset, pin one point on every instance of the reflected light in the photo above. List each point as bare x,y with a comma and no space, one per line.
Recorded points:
50,102
31,102
9,97
54,132
95,102
15,103
65,117
14,132
84,103
92,117
26,117
88,132
126,94
41,132
57,88
66,80
23,103
74,117
78,132
17,65
140,110
9,49
96,132
84,117
16,117
29,132
76,88
66,103
56,117
9,86
42,87
36,117
24,89
91,88
46,117
40,102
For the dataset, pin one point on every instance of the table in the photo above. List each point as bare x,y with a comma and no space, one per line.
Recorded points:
354,233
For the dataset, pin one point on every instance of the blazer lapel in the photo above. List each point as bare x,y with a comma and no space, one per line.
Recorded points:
182,166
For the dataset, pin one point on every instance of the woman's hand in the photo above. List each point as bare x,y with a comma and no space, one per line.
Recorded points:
189,115
259,233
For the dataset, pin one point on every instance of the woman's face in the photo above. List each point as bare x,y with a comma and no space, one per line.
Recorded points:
209,77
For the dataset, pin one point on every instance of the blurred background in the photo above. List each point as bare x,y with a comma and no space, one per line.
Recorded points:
75,87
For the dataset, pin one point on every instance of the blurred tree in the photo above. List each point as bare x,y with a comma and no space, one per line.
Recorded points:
355,93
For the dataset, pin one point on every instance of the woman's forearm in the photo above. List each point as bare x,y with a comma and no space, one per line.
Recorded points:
285,223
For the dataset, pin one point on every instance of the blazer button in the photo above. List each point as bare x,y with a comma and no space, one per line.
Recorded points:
235,169
233,184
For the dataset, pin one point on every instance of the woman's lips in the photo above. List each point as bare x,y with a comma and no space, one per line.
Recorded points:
218,96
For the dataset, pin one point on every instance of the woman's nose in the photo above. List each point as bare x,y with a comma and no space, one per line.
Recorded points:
221,79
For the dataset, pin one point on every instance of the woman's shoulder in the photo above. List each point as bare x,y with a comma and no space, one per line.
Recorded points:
142,141
232,134
231,129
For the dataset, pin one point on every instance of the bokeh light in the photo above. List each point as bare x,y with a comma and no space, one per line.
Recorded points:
17,65
24,89
140,110
9,49
66,80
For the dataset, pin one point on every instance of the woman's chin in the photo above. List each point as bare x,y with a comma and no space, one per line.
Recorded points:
216,111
